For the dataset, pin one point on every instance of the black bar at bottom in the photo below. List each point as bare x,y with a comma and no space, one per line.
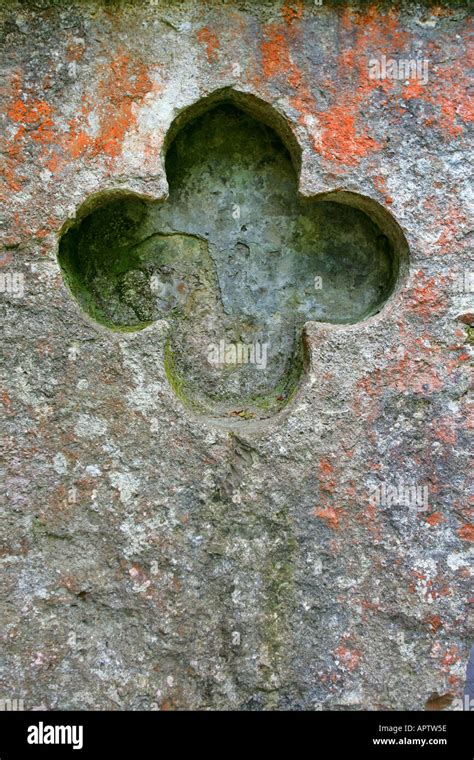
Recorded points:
155,734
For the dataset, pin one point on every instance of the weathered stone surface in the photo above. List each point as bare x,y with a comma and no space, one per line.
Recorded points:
157,558
226,285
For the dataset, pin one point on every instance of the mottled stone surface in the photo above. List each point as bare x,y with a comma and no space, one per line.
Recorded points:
235,259
155,558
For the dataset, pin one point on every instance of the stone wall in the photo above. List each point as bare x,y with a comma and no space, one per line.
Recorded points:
159,554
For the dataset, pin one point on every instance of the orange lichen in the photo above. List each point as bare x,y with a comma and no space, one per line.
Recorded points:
427,298
325,466
33,118
448,92
275,52
127,81
414,367
210,40
349,658
75,50
444,431
338,133
451,657
5,258
33,115
434,622
466,532
380,184
292,10
341,140
335,133
329,515
434,519
6,400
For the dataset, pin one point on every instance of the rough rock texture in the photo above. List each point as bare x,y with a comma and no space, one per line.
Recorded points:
155,558
231,258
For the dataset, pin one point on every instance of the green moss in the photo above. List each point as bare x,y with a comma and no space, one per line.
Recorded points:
96,253
279,599
286,389
171,373
244,414
177,382
38,528
214,274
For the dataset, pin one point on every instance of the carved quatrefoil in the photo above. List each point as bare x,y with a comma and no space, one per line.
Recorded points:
235,259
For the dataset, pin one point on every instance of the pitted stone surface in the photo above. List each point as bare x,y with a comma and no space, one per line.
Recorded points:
234,259
154,560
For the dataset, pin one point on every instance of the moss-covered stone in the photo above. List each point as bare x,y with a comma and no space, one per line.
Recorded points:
234,259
